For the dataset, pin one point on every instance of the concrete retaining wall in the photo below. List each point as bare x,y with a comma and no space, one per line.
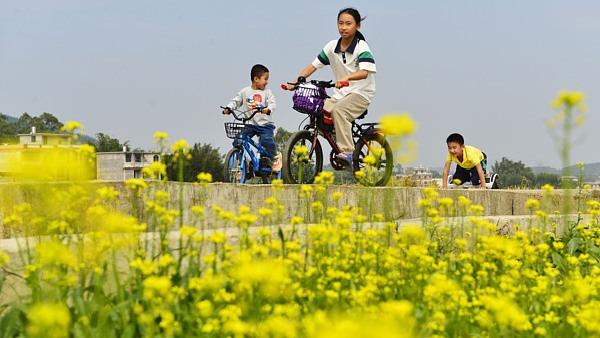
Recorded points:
392,202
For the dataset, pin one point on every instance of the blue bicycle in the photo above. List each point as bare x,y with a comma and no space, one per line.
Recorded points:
245,161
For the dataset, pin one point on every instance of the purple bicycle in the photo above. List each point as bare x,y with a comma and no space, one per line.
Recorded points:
303,157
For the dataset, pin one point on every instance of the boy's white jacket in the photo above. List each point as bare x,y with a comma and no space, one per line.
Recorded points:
247,96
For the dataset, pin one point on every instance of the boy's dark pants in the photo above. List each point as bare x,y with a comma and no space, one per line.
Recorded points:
470,175
265,137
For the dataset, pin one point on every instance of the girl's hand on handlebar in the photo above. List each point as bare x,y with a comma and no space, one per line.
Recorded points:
292,85
226,111
341,84
266,111
288,86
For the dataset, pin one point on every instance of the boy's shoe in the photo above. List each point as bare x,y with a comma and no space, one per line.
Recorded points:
277,163
265,162
346,158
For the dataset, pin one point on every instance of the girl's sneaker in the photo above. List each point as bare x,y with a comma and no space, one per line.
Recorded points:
346,158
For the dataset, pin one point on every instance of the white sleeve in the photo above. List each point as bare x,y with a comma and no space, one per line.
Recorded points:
271,104
322,58
237,100
365,57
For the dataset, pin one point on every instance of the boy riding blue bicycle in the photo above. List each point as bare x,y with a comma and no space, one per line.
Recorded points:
256,96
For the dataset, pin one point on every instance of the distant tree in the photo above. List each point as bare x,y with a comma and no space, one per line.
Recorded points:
24,123
8,131
513,174
204,158
546,178
280,138
46,122
104,143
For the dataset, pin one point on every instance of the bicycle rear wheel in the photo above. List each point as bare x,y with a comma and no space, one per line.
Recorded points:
379,172
235,168
302,167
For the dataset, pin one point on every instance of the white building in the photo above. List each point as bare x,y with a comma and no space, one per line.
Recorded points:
421,175
123,165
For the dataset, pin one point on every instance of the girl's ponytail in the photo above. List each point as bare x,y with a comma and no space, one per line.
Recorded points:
360,36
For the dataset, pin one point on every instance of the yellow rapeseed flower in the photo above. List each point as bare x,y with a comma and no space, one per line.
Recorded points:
156,170
360,175
107,193
398,124
568,98
145,266
160,136
277,183
71,127
265,212
205,308
532,204
48,320
325,177
188,231
301,150
507,313
204,177
165,260
157,286
180,145
548,188
4,259
136,184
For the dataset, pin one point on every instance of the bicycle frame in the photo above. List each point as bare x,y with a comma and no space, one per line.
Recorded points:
358,133
247,144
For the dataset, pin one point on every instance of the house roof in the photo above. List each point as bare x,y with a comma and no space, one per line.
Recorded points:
44,134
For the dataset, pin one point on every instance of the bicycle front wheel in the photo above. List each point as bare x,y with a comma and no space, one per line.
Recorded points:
302,160
235,169
380,163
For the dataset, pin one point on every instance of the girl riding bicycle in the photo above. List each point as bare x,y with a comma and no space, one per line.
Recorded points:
351,60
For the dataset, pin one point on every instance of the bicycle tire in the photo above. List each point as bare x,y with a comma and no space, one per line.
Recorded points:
291,174
384,177
234,169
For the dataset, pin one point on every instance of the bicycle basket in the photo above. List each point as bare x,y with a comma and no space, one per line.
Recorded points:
233,129
309,99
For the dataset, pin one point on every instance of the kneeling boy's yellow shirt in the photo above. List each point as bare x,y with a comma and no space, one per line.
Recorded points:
471,157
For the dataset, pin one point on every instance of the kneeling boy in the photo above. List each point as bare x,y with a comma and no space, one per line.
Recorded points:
470,162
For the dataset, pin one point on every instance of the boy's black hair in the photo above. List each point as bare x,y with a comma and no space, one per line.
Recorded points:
258,71
455,137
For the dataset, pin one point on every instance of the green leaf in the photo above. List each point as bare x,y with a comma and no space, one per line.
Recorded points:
595,252
573,245
12,322
558,260
129,331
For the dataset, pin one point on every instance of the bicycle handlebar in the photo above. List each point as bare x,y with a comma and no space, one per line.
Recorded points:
321,84
242,113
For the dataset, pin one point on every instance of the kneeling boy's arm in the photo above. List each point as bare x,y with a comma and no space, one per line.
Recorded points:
481,175
445,175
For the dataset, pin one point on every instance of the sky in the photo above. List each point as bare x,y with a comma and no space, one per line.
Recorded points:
486,69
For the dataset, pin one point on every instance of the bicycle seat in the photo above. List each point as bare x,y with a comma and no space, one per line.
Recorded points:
362,116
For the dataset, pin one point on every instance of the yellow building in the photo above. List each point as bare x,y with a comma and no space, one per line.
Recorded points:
45,155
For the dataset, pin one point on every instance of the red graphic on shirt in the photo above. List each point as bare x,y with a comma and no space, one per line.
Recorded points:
255,102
